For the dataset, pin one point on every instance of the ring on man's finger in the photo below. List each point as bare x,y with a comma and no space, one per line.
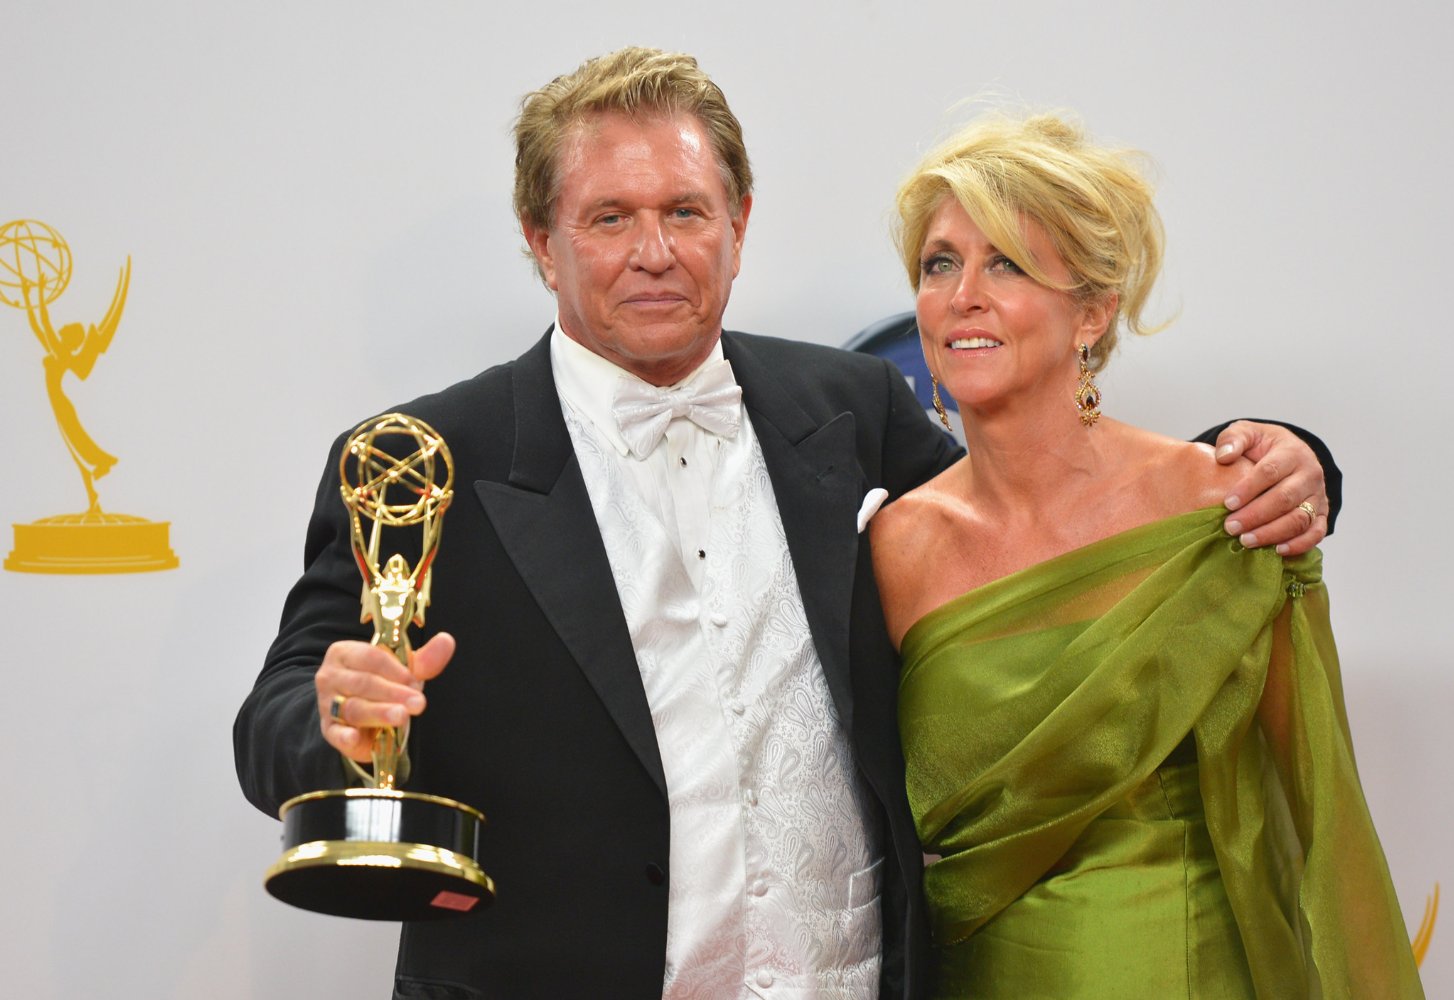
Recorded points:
335,707
1307,507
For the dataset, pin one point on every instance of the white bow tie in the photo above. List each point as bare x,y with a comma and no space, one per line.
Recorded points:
643,411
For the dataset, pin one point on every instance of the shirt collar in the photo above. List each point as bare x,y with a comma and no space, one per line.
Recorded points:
587,382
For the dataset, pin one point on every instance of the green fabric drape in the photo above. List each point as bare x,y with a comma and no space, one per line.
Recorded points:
1040,704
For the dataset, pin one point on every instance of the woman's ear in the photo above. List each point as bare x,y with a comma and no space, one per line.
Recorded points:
1096,317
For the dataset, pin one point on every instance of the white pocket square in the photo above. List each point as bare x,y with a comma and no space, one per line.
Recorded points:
871,503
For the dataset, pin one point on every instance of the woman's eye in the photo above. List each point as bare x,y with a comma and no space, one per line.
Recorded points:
999,262
937,264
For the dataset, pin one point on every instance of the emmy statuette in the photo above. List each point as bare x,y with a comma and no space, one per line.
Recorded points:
35,268
376,852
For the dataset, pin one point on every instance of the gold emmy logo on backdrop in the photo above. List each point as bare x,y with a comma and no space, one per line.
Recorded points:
1426,926
376,852
35,268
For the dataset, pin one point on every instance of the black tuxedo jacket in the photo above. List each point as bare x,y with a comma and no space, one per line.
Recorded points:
541,721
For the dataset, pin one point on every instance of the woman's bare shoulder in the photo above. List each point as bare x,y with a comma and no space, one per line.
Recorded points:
1185,475
1208,480
932,527
905,521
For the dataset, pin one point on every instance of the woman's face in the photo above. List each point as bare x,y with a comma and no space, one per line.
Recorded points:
994,336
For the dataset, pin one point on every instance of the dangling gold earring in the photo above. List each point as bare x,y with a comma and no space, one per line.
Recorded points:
939,404
1087,393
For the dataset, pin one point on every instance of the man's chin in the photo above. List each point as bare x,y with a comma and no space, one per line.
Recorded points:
667,356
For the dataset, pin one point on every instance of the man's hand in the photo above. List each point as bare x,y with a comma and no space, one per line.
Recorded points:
375,689
1266,502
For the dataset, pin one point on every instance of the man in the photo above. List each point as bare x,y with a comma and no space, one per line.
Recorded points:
674,696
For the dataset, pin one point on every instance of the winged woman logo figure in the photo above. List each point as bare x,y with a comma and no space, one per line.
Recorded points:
35,268
75,348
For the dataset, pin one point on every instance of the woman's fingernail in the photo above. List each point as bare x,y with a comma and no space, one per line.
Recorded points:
1234,527
1248,540
1232,502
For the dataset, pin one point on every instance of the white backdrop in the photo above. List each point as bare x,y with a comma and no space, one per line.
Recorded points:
315,198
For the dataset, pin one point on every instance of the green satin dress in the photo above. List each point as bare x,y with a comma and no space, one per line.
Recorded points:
1134,763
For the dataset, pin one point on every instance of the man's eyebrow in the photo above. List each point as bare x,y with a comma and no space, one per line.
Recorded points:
601,203
683,198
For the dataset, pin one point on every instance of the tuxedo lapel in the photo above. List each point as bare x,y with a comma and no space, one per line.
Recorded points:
818,484
543,517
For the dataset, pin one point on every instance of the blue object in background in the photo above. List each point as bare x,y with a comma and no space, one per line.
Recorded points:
896,339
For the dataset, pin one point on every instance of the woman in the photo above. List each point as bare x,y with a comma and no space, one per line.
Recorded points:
1124,733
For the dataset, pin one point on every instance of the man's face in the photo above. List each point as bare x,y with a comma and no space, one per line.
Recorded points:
644,245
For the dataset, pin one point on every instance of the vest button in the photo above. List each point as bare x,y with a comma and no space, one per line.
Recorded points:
654,874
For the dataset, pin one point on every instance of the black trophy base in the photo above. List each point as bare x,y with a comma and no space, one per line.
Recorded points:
380,854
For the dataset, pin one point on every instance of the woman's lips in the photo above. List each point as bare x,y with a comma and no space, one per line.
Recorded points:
973,342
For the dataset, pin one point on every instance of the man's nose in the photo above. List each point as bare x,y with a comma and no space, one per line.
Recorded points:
653,249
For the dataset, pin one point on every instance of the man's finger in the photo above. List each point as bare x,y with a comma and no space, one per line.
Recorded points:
356,712
1292,533
1270,504
432,657
352,655
1255,484
1307,540
352,743
349,722
333,683
1237,439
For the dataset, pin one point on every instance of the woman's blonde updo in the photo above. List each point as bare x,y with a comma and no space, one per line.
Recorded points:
1092,202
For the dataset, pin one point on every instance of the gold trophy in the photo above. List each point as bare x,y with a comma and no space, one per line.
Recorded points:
35,268
377,852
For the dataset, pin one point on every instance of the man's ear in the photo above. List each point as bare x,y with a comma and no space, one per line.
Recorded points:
538,239
739,233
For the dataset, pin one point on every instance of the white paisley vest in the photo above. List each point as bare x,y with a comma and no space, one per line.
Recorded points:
774,877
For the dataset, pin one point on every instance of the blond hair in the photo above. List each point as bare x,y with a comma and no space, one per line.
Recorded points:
632,81
1092,202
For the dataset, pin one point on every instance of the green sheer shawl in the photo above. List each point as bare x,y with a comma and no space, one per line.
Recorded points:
1029,706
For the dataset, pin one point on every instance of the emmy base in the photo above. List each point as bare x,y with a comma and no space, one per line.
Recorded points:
94,542
380,854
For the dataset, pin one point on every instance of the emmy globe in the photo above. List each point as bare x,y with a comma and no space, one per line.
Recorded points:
376,852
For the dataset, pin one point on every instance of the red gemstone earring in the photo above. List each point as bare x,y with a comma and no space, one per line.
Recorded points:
1087,393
